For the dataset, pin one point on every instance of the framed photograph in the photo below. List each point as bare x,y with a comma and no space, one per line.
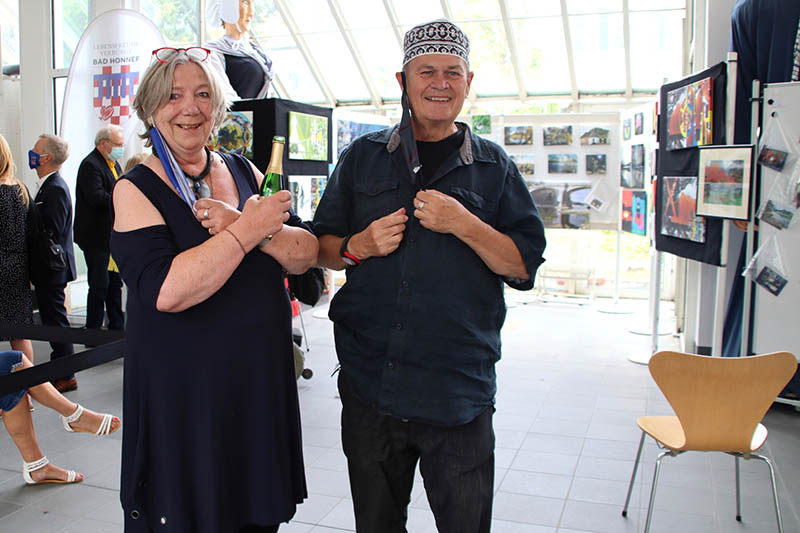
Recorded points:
562,163
518,135
638,123
679,217
725,176
688,116
777,215
482,124
637,166
308,137
626,129
596,163
595,136
557,136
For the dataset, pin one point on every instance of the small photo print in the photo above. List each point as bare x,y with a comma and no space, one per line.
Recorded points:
518,135
771,280
562,163
772,158
556,136
626,129
482,124
597,203
595,136
777,215
524,164
638,123
596,164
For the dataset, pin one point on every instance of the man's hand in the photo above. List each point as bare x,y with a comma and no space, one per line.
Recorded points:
439,212
381,237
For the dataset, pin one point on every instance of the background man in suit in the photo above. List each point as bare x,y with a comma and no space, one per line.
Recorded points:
55,207
96,177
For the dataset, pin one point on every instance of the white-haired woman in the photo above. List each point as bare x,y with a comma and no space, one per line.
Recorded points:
213,432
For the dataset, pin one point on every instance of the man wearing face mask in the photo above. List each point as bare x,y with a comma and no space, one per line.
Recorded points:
54,204
96,177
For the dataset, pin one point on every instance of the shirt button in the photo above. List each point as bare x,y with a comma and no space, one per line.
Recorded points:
390,364
135,514
163,520
398,326
412,239
404,284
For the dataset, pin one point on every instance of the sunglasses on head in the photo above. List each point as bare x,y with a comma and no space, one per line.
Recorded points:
194,53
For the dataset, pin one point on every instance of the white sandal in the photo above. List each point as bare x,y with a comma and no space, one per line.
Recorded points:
27,468
103,430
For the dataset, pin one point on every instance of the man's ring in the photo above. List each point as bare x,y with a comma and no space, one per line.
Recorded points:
205,214
421,205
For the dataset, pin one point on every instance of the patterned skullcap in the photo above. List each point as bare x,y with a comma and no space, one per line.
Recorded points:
436,37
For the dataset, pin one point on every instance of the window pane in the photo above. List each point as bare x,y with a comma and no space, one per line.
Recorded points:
655,5
474,10
575,7
59,86
337,66
382,57
542,55
312,15
359,14
9,24
293,72
413,12
599,50
70,18
656,42
178,20
490,59
528,8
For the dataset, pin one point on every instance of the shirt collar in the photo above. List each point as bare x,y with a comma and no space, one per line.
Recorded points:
392,139
41,181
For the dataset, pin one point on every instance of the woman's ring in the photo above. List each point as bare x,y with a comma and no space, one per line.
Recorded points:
205,214
421,205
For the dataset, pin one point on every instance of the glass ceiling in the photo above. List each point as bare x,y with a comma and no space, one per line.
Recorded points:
346,52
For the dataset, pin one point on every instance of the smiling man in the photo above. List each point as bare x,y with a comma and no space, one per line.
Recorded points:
429,221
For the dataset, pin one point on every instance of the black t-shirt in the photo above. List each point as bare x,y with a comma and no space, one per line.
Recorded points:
433,154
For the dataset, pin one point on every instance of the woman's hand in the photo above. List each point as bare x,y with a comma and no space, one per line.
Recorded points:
215,215
262,217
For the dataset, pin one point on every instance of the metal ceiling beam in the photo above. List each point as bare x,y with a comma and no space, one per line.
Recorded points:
573,80
626,37
392,14
448,13
306,53
351,45
511,38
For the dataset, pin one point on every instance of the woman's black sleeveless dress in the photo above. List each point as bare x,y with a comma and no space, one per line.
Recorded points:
211,438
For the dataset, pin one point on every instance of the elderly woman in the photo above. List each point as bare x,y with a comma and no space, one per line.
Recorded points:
213,430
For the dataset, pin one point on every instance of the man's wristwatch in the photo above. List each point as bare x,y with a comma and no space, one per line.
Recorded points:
347,257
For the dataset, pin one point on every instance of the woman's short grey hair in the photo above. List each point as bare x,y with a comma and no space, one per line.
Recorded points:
156,87
56,147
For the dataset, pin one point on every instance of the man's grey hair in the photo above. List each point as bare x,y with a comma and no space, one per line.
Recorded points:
105,133
156,86
56,147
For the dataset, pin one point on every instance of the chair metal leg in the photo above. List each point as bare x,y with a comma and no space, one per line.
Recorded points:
653,491
774,489
738,490
633,476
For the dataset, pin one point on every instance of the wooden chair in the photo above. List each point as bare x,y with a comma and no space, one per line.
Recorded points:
719,403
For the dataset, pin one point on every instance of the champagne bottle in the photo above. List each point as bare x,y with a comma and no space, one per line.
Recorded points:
273,181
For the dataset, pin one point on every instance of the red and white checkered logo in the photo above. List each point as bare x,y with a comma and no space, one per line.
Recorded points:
115,90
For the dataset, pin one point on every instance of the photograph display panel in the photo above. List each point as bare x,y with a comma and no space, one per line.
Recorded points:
685,163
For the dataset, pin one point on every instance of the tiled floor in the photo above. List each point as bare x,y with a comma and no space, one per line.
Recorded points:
566,439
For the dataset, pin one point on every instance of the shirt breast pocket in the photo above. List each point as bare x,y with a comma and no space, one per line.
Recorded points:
375,198
478,204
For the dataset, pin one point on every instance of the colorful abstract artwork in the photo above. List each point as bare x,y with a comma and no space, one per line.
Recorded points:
679,218
634,212
689,115
308,137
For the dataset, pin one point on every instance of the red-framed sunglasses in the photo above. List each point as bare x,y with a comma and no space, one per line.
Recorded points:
194,53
